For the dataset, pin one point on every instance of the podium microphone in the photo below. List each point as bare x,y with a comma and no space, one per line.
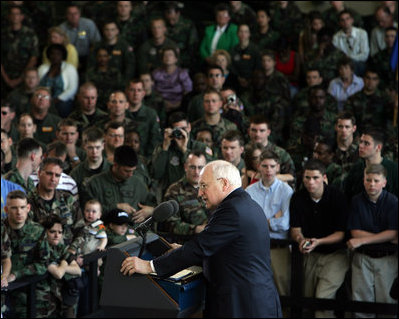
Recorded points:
161,213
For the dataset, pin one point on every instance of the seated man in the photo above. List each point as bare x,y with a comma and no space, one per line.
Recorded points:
374,240
318,216
192,216
232,146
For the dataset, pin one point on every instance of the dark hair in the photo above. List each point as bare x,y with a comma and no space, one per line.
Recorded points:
196,152
212,67
134,81
17,194
222,7
5,132
113,125
391,29
269,53
346,115
177,117
345,12
316,88
213,91
315,165
173,5
5,103
58,47
266,10
49,221
233,135
26,146
346,61
325,31
92,134
58,147
125,156
328,141
376,169
267,154
51,161
248,151
376,134
171,48
259,119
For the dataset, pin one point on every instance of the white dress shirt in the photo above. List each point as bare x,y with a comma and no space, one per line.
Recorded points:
218,33
355,46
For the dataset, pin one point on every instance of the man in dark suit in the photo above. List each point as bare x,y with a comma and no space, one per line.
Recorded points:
234,250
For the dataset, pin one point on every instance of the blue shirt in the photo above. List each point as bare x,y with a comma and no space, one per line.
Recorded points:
336,89
6,187
272,200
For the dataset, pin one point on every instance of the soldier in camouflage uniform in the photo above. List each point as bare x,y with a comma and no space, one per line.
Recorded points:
28,253
143,118
346,152
241,13
288,20
169,156
121,54
87,113
317,116
325,57
370,106
119,188
300,102
20,97
212,104
149,53
132,26
29,154
106,78
259,132
46,199
192,216
331,16
183,32
264,36
19,50
381,61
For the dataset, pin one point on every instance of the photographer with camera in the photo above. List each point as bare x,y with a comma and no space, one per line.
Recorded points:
233,109
169,156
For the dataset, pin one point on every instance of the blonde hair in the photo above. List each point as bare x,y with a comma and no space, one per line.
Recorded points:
221,52
60,32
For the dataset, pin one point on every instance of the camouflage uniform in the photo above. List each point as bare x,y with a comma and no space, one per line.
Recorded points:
92,234
106,83
266,41
15,177
133,31
81,173
5,253
45,130
289,22
218,129
334,175
181,227
245,61
20,99
168,166
327,64
301,102
372,109
345,159
245,15
122,58
85,121
287,165
381,62
195,109
110,192
156,102
65,206
146,122
149,55
331,19
185,34
16,50
29,253
101,124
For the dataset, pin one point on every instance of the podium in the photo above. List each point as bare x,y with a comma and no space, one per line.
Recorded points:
146,295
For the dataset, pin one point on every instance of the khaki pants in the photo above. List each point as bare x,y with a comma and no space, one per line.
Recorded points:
281,267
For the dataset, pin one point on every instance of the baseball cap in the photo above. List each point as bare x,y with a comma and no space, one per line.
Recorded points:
119,217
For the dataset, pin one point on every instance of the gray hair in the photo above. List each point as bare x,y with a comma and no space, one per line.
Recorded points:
224,169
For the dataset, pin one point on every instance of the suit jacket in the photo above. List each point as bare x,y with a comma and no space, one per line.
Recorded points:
227,40
234,251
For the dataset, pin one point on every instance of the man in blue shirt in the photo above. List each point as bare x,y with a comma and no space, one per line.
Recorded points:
274,196
373,224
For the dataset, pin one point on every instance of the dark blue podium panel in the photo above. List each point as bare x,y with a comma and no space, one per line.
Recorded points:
146,295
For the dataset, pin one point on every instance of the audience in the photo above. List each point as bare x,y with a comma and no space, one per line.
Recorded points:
129,149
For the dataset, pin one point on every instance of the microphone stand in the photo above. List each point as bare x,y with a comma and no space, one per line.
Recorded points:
142,231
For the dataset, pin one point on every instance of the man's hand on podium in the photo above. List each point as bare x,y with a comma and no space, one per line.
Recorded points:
133,265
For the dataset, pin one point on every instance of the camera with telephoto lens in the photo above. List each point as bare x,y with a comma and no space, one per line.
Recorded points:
176,133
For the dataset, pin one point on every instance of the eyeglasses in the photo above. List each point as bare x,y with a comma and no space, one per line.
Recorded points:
42,96
4,112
